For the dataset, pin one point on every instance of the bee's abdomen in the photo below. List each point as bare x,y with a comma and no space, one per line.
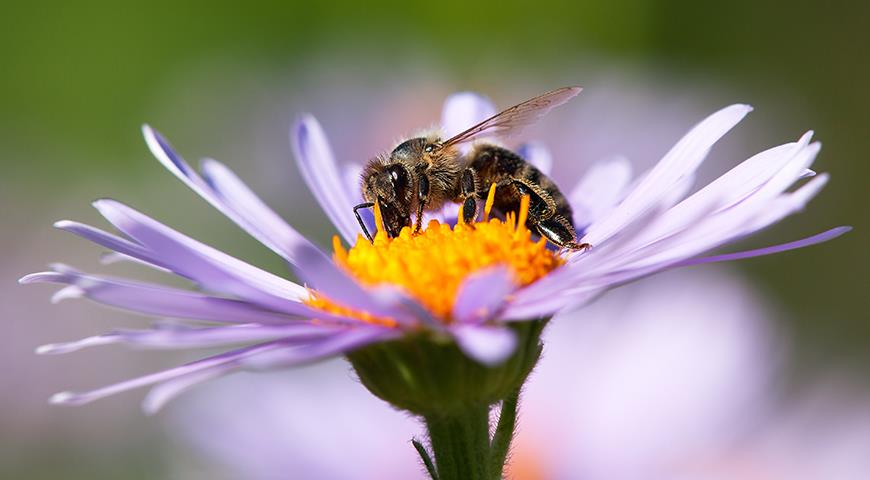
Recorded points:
494,164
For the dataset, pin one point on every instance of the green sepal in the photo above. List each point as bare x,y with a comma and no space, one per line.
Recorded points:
428,375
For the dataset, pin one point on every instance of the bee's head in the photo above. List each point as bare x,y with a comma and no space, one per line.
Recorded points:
390,184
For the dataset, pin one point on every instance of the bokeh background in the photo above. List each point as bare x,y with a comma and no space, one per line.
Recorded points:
225,80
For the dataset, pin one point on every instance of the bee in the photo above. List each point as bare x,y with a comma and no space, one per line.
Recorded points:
423,173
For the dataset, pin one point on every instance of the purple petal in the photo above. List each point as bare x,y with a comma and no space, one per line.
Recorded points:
111,258
464,110
207,337
683,159
538,155
110,241
70,398
784,247
482,295
164,392
706,236
223,190
207,266
212,273
251,213
766,206
599,190
322,175
489,345
729,189
337,344
153,299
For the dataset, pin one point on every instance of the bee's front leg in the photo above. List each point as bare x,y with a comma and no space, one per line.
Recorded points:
422,199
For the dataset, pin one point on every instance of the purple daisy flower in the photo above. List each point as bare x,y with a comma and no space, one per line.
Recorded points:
636,229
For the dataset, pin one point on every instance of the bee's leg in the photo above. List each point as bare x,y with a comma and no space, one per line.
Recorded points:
360,220
422,199
559,232
468,195
541,204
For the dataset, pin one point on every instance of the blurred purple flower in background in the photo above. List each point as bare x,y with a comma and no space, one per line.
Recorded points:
668,379
636,229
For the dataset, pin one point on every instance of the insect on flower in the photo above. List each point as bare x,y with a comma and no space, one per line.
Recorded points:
423,173
495,282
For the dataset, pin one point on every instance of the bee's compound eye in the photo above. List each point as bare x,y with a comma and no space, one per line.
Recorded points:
429,148
398,176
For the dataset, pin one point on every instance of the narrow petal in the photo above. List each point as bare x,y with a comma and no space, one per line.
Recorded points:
205,265
164,392
74,346
208,337
110,241
337,344
70,398
683,159
763,208
251,213
758,252
224,191
321,173
464,110
111,258
729,189
538,155
482,295
153,299
709,234
599,190
489,345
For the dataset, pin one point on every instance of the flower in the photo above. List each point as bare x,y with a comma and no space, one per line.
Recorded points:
648,395
635,229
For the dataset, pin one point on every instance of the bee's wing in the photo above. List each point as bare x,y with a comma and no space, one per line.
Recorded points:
514,119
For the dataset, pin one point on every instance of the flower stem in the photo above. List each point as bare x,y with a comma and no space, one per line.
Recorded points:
460,444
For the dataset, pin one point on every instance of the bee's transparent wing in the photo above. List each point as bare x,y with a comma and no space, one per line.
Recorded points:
514,119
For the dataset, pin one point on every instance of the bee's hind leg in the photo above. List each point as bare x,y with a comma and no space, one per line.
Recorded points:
559,232
541,204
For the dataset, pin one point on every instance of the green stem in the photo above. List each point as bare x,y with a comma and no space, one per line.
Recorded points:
504,434
460,444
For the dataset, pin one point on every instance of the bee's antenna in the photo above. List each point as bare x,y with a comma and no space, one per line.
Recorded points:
360,220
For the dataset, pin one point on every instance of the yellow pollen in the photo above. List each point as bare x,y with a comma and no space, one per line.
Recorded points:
431,265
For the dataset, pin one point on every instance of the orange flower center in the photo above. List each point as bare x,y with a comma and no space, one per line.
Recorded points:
431,265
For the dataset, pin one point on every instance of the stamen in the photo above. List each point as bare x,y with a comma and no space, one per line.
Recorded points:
490,199
460,220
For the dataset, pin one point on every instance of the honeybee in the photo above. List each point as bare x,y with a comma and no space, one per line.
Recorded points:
422,174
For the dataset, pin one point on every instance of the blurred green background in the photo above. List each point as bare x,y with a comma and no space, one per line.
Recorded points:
225,79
